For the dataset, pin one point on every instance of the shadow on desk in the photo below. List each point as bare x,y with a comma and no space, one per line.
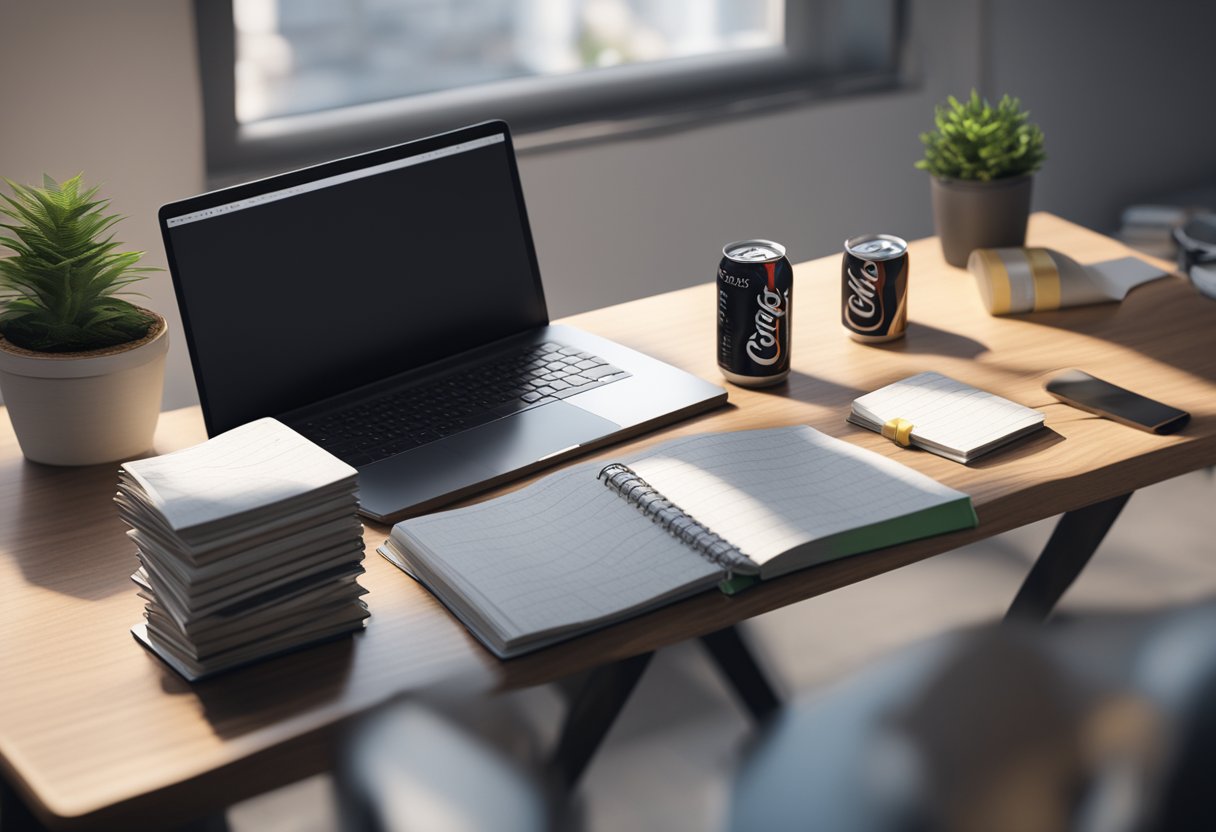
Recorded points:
923,339
1030,445
1148,322
808,388
920,340
44,513
270,691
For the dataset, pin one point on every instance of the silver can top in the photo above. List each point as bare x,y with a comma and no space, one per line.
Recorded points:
754,251
876,246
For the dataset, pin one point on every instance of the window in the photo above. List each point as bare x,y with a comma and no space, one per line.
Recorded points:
300,57
293,81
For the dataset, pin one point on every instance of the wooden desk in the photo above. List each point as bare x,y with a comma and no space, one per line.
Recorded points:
94,730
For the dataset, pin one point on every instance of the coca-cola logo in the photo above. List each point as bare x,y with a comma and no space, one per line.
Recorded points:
863,309
764,344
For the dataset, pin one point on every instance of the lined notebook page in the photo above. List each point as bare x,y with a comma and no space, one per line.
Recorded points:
247,468
947,412
563,551
767,491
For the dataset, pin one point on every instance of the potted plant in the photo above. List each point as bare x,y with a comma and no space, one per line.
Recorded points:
81,370
982,159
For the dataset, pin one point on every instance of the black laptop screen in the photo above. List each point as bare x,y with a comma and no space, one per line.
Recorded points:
312,284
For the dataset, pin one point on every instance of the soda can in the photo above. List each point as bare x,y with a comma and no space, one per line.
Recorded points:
874,288
755,288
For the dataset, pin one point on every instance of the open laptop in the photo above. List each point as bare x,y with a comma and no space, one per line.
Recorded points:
388,306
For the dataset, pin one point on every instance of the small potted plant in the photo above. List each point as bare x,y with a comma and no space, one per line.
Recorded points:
81,370
982,159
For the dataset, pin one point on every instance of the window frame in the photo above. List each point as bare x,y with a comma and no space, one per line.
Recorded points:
832,47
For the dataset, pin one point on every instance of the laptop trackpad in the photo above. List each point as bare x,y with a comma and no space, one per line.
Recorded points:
524,438
474,456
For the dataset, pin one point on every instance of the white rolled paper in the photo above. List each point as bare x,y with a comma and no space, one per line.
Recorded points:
1015,280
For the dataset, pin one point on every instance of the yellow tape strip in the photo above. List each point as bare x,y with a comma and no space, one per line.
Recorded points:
998,281
898,431
1046,279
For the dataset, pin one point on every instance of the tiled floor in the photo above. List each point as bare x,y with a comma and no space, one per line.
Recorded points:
666,763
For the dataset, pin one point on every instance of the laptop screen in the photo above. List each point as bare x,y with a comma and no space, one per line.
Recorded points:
313,283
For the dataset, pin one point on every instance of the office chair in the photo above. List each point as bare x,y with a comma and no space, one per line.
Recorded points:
1105,723
436,766
1102,723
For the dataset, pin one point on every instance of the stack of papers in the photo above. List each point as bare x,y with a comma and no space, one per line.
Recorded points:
248,545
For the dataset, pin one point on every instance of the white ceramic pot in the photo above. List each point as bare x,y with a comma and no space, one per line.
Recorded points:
85,408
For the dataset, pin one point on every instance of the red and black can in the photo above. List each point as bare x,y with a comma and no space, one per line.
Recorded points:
755,288
874,287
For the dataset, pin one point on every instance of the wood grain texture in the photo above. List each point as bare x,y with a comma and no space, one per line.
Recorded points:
94,731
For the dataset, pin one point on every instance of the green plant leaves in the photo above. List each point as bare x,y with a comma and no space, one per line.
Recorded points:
976,141
57,288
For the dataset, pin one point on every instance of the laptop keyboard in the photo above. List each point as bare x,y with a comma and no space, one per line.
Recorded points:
404,419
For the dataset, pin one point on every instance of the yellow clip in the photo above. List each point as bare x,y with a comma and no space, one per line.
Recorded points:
898,431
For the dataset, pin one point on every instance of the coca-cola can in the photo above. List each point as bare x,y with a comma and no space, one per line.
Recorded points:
874,287
755,288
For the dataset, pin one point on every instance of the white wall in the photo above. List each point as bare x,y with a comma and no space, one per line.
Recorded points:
110,87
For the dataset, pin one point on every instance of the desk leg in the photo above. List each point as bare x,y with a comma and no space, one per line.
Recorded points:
1072,544
15,816
591,714
739,667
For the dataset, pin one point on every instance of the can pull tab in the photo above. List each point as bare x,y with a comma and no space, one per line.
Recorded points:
898,431
752,253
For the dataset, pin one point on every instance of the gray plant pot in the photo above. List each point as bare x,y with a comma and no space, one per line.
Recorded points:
970,215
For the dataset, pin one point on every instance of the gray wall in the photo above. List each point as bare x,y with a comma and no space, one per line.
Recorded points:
110,87
1123,91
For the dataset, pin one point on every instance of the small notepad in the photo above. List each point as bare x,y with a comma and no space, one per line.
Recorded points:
944,416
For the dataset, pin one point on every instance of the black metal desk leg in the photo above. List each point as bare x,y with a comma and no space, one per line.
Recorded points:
591,714
15,816
1075,539
739,667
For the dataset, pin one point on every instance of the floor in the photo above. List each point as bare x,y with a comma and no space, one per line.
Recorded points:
666,763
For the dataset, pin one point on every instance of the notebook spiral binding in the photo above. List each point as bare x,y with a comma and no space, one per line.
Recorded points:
624,481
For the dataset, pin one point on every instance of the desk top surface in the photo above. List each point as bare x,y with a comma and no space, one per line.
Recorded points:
93,728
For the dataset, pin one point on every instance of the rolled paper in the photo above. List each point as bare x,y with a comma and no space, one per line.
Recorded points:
898,431
1016,280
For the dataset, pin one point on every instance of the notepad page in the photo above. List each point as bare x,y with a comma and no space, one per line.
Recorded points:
253,466
563,551
768,491
947,412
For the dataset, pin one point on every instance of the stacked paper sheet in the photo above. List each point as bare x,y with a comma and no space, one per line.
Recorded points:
248,546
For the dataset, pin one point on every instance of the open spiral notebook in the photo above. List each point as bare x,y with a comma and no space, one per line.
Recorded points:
595,543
